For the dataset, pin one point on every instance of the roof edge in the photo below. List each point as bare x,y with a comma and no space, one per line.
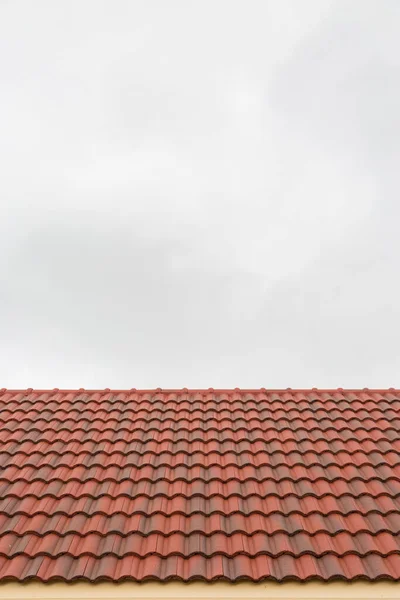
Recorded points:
199,390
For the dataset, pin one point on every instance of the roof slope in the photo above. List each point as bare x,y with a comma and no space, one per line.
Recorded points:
200,485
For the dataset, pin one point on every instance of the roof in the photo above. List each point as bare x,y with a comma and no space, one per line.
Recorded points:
199,484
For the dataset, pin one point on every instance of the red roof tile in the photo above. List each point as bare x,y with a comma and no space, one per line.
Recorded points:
200,484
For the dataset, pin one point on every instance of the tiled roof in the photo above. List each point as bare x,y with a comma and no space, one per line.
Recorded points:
200,484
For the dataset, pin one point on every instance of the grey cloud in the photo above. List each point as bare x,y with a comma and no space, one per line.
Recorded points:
199,195
342,85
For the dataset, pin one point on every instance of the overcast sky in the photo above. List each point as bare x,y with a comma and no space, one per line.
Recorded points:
199,193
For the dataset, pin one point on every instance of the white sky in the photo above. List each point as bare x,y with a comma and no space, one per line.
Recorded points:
199,194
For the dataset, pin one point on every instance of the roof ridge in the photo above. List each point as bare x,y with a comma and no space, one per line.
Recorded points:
197,390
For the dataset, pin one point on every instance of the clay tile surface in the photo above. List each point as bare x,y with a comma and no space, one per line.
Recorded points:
200,484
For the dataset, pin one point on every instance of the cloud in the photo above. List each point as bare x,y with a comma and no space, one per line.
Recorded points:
199,196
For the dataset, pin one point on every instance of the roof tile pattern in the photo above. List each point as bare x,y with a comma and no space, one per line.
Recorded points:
207,485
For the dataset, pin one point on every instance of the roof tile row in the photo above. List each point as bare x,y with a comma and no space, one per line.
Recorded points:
111,568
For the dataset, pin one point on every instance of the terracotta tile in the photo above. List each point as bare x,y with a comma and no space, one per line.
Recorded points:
191,484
